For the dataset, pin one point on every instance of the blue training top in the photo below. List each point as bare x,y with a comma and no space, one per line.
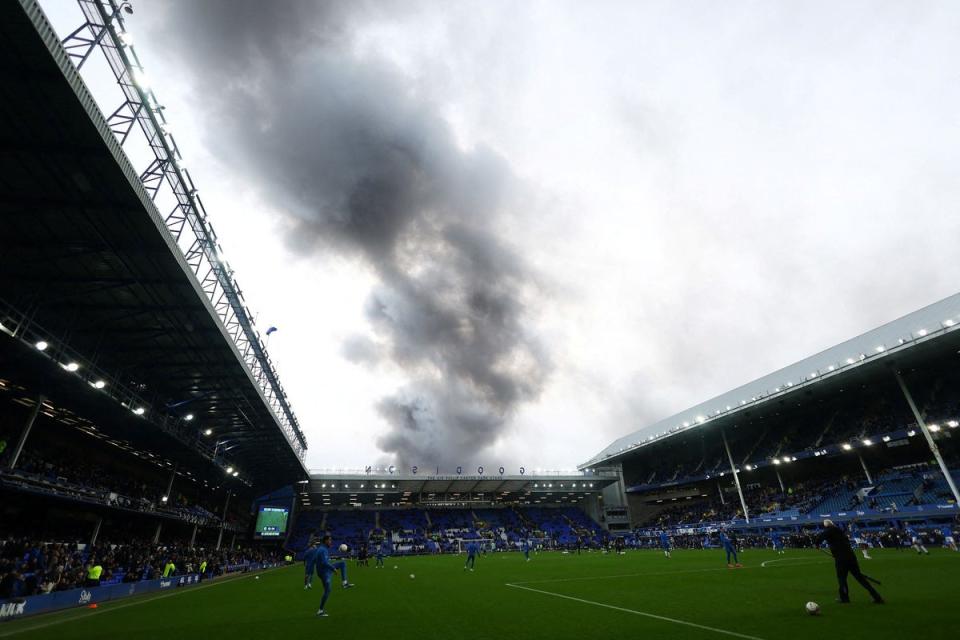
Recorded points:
324,568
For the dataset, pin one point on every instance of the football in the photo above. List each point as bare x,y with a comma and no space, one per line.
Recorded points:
343,548
411,576
813,608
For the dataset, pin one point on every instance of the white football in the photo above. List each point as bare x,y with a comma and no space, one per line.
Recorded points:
343,548
395,567
813,608
256,577
411,576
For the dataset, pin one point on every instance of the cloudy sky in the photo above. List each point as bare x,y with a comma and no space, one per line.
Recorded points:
508,233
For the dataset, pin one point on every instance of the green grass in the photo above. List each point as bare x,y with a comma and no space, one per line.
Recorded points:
444,602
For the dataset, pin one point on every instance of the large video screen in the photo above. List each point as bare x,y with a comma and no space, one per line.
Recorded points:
272,522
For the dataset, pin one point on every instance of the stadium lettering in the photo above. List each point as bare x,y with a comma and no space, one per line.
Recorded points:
459,470
522,470
391,469
480,471
501,470
11,609
414,471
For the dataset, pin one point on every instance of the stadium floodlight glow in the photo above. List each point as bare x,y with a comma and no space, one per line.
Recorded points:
953,424
236,473
911,433
886,438
208,432
749,467
831,368
140,78
99,384
776,461
793,459
846,446
164,499
949,323
850,361
868,442
71,366
41,345
139,411
934,427
229,470
922,332
188,417
881,349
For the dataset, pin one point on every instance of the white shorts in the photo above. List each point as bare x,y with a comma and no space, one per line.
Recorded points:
948,539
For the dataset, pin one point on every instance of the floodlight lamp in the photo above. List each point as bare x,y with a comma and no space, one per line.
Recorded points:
236,473
139,411
934,427
188,417
99,384
208,432
41,345
71,366
846,446
229,469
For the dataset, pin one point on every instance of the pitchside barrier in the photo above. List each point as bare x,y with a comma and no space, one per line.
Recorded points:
57,600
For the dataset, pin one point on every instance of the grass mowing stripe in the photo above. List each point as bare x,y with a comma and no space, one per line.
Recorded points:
660,573
639,613
124,605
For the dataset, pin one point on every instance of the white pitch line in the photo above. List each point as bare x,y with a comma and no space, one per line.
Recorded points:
640,613
138,601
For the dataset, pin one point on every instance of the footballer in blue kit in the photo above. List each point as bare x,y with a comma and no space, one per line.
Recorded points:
665,543
326,569
731,549
472,549
382,551
777,541
310,563
525,547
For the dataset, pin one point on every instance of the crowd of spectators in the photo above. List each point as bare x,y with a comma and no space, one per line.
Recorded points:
30,567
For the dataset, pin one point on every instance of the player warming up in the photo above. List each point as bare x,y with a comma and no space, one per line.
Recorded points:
948,540
326,569
731,549
383,550
845,561
525,547
471,556
777,541
665,543
859,540
310,563
916,541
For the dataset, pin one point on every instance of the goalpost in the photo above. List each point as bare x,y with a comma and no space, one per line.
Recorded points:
486,545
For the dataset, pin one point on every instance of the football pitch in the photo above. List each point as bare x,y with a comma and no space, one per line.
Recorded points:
554,596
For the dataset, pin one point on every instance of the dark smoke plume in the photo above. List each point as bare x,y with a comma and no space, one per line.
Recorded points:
358,158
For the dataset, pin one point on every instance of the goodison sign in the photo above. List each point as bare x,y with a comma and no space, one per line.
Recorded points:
414,470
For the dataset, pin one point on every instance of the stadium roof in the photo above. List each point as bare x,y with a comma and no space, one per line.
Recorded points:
932,327
336,489
90,267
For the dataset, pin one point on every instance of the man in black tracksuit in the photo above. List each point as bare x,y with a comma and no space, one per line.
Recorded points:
845,560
